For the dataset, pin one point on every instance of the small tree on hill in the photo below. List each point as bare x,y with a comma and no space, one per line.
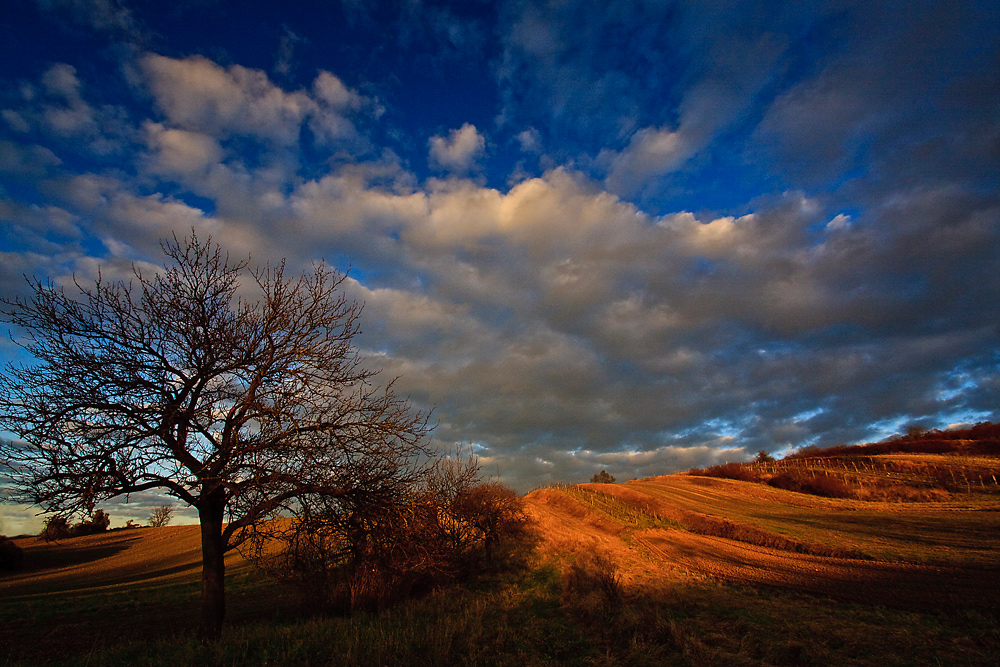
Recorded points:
240,406
602,478
763,457
161,516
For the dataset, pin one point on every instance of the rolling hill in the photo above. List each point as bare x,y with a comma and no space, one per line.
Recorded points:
908,557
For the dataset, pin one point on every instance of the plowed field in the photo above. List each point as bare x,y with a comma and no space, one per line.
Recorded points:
679,528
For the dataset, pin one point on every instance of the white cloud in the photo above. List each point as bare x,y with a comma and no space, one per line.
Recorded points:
25,160
332,90
841,221
459,150
530,140
651,153
198,95
105,15
61,79
180,152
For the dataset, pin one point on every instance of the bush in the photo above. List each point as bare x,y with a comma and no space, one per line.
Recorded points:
827,486
592,581
763,457
344,558
495,524
785,481
98,523
56,528
11,555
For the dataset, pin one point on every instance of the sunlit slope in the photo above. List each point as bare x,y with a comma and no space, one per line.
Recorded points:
117,559
84,591
963,531
678,528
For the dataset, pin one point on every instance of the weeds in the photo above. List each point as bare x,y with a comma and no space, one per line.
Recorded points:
626,513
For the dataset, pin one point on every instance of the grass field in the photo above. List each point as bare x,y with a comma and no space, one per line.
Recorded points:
673,570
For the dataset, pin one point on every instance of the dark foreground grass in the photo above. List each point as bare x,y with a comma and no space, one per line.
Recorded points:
536,618
717,624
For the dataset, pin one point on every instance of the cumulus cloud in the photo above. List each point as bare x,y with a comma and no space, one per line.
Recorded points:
197,94
20,160
459,151
741,243
180,152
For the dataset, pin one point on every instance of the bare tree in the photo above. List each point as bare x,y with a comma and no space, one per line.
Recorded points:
243,408
161,516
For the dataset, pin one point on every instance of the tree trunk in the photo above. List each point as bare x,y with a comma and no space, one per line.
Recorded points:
211,512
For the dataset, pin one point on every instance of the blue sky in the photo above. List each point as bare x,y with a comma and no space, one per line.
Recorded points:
633,236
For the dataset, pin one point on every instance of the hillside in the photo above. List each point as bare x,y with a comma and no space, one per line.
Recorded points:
681,569
911,522
681,528
112,586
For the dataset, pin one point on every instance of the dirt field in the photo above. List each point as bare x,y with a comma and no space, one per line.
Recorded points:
99,589
957,567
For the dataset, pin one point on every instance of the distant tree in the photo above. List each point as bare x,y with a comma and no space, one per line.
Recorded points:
238,392
56,528
763,457
97,523
602,478
161,516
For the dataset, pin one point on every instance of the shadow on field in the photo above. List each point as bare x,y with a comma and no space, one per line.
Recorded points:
64,553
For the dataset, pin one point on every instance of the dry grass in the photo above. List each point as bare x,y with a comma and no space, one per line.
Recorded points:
674,570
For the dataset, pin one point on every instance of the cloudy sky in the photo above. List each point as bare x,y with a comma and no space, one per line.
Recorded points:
636,235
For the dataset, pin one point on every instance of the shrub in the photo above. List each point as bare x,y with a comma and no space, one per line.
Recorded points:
495,523
827,486
11,555
98,523
56,528
785,481
345,558
763,457
592,581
